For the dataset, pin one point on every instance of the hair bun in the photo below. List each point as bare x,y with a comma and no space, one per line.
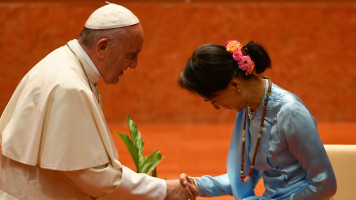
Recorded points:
259,55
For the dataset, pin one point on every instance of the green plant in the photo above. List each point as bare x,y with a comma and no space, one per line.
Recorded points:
135,146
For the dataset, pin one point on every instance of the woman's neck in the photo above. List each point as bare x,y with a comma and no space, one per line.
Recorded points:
256,91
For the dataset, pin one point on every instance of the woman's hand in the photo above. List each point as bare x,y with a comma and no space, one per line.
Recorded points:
185,180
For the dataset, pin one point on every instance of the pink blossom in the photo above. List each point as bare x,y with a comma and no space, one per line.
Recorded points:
245,63
237,55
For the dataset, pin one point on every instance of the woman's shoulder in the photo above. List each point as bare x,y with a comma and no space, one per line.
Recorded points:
282,100
283,96
287,103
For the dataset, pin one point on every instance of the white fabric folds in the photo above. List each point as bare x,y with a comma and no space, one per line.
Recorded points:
55,98
55,140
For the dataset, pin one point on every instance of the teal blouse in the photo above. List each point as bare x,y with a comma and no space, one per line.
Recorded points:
291,158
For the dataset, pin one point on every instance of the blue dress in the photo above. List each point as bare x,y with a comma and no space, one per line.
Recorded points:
291,158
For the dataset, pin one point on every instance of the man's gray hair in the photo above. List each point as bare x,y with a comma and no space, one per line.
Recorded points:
88,37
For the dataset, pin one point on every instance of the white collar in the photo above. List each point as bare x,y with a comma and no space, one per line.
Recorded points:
85,56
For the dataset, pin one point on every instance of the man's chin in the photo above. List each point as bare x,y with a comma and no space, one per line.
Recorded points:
112,81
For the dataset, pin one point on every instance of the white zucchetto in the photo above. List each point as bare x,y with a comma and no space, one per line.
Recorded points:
111,16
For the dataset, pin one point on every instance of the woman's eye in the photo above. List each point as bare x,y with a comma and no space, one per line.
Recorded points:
215,106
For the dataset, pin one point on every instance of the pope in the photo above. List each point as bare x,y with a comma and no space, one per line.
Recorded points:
55,142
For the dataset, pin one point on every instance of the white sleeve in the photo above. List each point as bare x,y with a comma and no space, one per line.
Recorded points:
106,182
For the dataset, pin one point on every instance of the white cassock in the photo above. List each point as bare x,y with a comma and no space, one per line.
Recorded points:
55,141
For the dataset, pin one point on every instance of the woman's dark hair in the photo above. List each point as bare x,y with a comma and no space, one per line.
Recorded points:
211,68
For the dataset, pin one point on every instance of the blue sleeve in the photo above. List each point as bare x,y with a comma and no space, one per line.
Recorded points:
213,186
298,126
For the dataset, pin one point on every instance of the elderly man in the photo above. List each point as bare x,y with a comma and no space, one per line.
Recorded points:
54,137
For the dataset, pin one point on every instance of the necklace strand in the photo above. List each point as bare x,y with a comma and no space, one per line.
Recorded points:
252,167
250,116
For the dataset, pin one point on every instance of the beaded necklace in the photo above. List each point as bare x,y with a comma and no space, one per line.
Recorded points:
243,178
250,116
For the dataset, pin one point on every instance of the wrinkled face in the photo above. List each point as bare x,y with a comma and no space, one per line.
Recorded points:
122,54
228,98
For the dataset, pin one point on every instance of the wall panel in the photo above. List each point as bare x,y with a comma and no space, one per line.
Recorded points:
311,43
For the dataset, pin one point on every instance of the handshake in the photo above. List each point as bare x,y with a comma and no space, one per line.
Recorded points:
183,189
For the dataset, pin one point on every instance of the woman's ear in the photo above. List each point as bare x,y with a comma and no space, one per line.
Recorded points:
101,48
236,84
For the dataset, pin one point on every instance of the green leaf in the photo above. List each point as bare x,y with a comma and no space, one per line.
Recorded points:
154,172
135,146
150,162
131,147
136,139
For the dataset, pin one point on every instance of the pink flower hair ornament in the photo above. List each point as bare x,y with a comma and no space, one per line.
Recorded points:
245,63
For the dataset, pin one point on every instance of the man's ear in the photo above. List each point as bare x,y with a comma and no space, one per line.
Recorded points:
101,48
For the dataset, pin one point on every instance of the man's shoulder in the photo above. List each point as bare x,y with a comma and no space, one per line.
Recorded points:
49,77
57,68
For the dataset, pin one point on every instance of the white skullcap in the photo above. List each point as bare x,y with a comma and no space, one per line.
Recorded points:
111,16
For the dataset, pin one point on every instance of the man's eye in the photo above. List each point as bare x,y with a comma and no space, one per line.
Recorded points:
131,56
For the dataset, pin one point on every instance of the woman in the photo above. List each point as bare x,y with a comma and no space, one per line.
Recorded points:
275,136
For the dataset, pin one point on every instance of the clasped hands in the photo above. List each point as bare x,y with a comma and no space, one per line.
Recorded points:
181,189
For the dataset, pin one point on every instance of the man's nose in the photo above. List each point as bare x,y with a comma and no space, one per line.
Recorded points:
133,64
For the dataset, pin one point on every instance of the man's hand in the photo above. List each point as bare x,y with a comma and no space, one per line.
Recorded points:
186,180
178,191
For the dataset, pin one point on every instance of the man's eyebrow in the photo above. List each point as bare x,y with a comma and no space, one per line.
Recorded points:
134,53
137,51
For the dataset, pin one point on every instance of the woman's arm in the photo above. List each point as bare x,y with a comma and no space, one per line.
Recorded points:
209,186
298,127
